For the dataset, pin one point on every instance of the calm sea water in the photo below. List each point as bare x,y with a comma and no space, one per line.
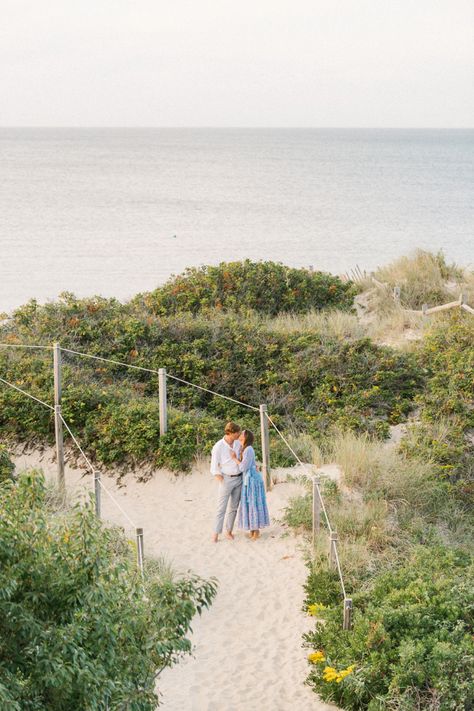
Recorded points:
117,211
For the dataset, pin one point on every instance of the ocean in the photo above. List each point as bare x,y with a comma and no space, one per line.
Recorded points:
117,211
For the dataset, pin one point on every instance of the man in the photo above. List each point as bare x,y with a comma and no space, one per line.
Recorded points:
226,471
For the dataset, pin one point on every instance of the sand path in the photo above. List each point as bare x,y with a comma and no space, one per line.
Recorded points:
247,647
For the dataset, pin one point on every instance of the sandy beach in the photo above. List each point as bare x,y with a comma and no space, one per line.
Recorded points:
247,647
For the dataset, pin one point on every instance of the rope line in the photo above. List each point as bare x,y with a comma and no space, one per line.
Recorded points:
23,392
310,476
109,360
117,504
225,397
21,345
91,467
336,555
152,370
323,507
77,444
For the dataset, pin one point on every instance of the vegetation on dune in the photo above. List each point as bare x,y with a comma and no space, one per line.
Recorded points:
445,431
267,333
406,532
423,277
79,627
411,646
310,380
267,287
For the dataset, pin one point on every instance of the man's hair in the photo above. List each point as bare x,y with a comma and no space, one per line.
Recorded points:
232,428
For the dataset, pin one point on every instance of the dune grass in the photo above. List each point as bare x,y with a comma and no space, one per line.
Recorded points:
331,324
423,277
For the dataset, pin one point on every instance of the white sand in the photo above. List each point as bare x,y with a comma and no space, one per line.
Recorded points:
247,647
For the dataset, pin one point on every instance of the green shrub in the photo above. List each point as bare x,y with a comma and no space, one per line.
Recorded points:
79,628
6,465
299,512
444,433
412,644
266,287
309,381
448,355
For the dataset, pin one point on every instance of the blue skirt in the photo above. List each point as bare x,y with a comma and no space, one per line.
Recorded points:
253,510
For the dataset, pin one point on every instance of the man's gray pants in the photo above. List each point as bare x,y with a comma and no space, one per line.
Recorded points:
230,488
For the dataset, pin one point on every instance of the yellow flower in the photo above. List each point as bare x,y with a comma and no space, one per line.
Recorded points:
316,657
329,674
315,609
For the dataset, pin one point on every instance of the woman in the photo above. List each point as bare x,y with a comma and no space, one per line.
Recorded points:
253,511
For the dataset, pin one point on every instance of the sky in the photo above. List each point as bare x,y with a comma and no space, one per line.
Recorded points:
387,63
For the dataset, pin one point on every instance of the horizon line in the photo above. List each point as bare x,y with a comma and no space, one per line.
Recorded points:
246,127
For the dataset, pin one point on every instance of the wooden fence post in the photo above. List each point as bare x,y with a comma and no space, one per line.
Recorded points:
332,548
396,293
97,493
163,401
265,447
347,620
424,309
316,508
140,556
463,298
58,424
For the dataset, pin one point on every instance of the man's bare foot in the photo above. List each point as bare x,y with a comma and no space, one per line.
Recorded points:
229,535
249,535
215,537
255,535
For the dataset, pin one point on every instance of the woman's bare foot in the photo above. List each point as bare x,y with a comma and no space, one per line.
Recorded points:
249,535
255,535
229,535
215,537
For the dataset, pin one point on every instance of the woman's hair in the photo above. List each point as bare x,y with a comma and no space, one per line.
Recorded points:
232,428
248,438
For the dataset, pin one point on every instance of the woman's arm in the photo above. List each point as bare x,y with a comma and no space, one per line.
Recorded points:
248,458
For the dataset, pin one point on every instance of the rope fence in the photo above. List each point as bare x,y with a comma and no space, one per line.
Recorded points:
23,392
265,420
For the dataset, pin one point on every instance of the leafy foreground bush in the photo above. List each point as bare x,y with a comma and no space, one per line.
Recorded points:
266,287
412,645
79,628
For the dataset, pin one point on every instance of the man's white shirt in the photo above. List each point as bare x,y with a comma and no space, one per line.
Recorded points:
221,458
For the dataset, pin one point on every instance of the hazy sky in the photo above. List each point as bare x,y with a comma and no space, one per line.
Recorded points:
237,63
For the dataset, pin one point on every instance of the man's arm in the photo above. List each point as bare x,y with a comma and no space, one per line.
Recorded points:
215,464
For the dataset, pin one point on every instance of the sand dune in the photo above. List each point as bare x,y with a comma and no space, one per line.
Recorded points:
247,647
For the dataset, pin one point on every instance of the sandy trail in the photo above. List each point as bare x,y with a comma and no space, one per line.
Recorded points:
247,647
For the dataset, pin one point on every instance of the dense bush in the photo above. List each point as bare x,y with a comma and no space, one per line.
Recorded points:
412,644
266,287
309,381
79,628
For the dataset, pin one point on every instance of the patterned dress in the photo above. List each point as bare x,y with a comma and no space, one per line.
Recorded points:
253,510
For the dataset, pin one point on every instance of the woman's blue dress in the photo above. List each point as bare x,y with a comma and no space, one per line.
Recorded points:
253,510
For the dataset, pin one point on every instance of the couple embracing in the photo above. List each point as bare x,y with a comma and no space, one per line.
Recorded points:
233,465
